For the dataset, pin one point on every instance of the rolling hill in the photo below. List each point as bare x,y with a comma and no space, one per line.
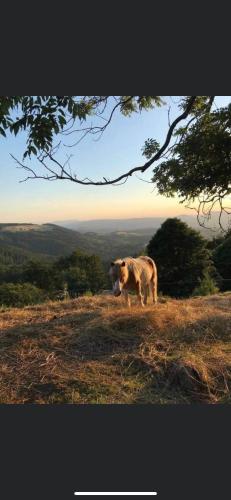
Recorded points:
107,238
94,350
51,241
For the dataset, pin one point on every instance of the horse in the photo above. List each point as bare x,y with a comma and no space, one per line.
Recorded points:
139,274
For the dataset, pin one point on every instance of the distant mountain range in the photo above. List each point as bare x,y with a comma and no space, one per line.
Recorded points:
145,224
112,225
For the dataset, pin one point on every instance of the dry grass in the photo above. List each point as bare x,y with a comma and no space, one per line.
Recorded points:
94,350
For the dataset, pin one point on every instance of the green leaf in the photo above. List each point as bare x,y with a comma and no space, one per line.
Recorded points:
2,132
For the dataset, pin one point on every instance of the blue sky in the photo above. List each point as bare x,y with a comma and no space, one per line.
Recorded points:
118,150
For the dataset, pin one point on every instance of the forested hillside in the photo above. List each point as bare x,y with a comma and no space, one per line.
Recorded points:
10,255
43,262
49,241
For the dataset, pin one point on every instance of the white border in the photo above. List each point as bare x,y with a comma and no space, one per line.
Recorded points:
115,493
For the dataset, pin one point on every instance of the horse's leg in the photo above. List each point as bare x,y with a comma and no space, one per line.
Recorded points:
139,293
146,290
153,286
127,298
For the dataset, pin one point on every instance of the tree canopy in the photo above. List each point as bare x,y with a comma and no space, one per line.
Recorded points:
79,271
181,256
200,163
43,117
222,260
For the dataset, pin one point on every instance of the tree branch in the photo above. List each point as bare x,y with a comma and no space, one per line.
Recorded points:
64,175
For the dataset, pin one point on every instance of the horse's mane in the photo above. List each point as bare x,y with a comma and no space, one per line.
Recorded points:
132,266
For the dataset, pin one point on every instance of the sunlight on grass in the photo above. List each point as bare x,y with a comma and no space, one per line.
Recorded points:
95,350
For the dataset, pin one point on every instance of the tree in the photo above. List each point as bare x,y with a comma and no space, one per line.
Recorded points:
76,280
181,257
82,272
199,167
39,274
222,260
215,242
95,274
43,117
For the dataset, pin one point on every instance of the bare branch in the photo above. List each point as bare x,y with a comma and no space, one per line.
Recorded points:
205,207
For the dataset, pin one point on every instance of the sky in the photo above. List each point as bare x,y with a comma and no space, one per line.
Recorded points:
118,150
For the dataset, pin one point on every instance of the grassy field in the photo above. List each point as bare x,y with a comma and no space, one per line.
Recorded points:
94,350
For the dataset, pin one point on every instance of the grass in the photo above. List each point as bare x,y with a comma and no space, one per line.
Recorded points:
94,350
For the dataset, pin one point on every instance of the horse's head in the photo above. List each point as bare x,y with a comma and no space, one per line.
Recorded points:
119,276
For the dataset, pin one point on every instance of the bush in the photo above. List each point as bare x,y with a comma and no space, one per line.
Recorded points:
206,287
20,295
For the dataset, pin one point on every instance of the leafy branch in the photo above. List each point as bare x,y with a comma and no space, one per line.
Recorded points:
58,171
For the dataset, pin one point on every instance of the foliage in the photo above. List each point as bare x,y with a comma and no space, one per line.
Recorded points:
207,286
181,257
82,272
79,271
11,274
20,295
200,162
222,260
76,280
150,147
215,242
11,256
43,117
39,274
52,241
21,259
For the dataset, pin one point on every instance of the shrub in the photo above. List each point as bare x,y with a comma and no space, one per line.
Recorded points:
207,286
20,295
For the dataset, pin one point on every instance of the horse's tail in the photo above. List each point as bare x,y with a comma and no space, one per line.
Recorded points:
154,277
153,266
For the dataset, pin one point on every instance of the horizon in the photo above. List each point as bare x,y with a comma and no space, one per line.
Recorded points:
98,219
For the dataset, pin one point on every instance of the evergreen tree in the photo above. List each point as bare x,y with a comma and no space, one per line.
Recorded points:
181,257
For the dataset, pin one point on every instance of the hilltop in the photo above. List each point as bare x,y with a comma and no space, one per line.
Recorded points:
51,241
94,350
